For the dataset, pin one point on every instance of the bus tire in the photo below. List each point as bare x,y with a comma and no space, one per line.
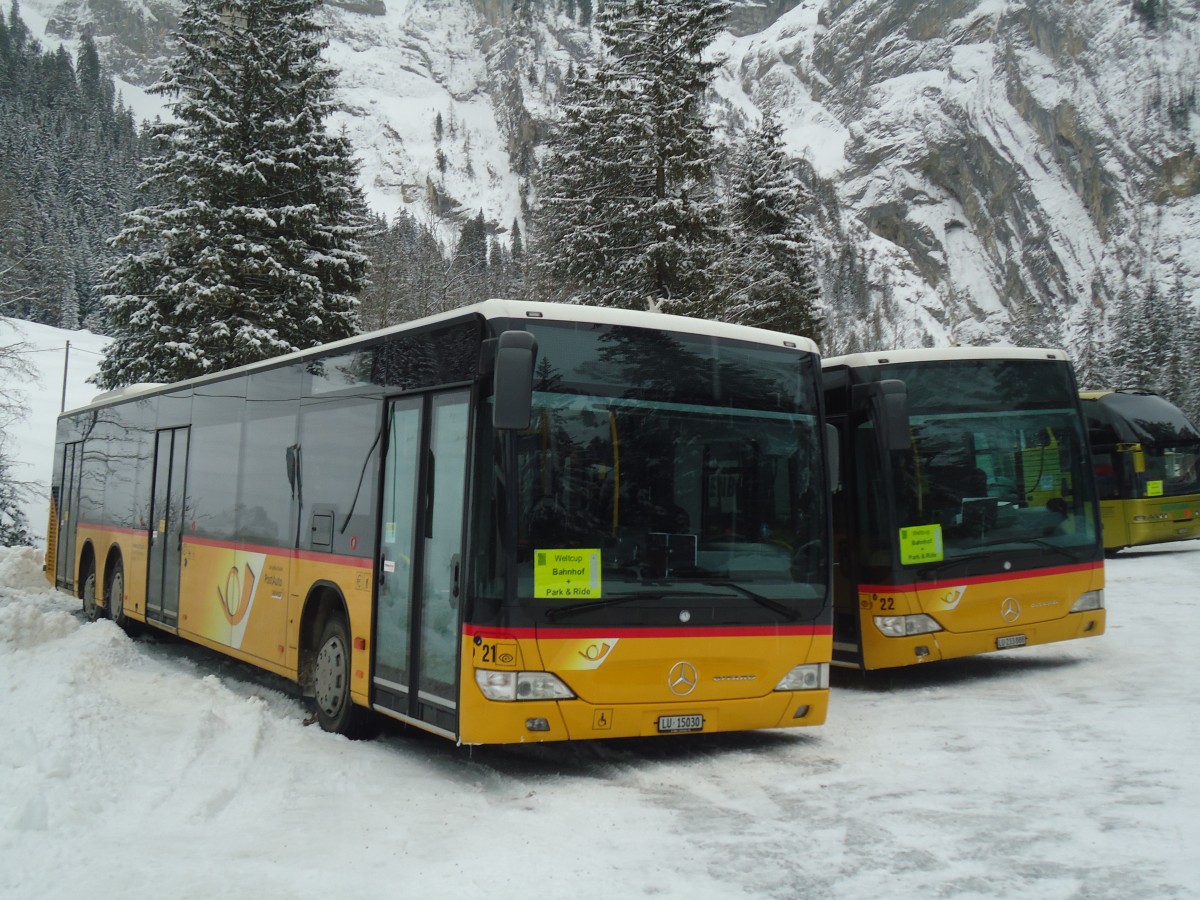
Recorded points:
87,594
335,710
114,595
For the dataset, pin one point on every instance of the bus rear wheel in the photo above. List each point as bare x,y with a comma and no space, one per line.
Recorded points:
335,710
114,596
88,595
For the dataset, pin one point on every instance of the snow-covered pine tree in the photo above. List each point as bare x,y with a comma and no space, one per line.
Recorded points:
771,279
1174,332
518,247
14,527
65,176
470,263
1132,353
628,215
14,370
1034,325
1091,365
253,246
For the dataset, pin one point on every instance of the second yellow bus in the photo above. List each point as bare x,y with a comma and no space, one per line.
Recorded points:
966,521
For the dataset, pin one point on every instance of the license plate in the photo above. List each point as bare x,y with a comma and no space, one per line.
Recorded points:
680,723
1012,640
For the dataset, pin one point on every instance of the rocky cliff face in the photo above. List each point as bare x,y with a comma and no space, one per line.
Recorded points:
988,169
1027,159
133,37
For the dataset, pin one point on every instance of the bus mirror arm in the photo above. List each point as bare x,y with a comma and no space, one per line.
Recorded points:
513,383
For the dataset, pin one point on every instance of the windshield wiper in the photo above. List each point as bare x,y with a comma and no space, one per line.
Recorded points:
1075,553
998,551
765,602
563,612
938,568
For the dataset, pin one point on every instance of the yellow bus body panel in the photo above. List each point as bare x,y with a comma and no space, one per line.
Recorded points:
243,600
622,684
236,598
352,578
132,546
1131,523
50,565
249,600
977,613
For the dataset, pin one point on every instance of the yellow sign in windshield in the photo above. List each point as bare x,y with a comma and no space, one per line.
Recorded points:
921,543
566,574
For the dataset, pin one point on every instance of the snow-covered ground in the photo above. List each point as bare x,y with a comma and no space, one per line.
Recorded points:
145,768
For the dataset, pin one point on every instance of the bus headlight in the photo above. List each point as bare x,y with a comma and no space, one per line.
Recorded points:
805,678
902,626
1090,600
521,685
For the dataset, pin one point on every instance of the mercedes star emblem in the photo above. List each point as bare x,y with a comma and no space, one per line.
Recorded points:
682,678
1010,609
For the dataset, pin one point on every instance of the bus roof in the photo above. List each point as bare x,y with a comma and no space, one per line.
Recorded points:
1138,415
941,354
488,309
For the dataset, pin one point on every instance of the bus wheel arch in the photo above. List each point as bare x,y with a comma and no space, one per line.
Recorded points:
325,670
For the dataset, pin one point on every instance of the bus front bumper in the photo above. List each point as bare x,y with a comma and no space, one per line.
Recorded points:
884,652
493,722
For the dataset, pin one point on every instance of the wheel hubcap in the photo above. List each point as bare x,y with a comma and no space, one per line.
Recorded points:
89,596
331,676
116,597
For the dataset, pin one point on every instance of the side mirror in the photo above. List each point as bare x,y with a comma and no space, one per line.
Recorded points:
889,410
512,400
833,447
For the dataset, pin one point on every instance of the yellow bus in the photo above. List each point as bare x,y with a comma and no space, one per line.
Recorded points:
966,520
1145,453
513,522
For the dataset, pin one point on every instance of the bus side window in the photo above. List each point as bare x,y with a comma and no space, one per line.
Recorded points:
1105,465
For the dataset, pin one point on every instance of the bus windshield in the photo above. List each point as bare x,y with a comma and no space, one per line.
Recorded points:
997,462
1142,446
669,479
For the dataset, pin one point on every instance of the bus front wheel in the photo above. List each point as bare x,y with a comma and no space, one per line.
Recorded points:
335,710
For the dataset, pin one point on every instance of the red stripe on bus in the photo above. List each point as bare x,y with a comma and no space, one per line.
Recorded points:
136,532
575,634
983,579
310,555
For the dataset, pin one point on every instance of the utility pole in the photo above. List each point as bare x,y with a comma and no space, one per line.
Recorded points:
66,360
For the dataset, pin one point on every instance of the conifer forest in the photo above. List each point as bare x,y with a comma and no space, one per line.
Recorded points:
236,230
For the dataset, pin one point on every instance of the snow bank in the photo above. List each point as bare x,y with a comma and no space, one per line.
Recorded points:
145,768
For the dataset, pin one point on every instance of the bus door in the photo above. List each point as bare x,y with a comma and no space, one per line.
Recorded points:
166,526
68,513
418,619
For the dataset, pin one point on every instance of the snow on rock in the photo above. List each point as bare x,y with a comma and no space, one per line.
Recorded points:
1012,155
